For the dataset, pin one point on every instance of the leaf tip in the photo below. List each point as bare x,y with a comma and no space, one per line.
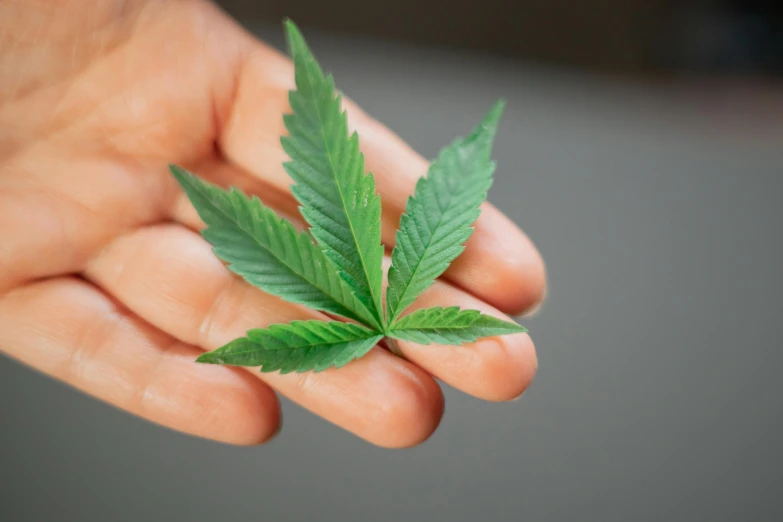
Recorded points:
176,170
492,118
289,26
483,134
181,175
509,327
294,37
209,358
519,329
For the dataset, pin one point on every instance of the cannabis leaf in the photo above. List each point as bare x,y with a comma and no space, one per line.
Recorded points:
449,326
438,217
340,273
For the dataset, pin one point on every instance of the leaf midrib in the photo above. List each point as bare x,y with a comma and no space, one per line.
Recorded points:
442,328
333,170
312,345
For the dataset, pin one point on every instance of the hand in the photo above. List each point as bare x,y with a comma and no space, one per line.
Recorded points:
105,282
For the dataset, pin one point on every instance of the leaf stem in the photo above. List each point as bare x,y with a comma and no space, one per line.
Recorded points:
394,347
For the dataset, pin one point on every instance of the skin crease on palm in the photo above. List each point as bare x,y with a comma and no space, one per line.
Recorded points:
105,282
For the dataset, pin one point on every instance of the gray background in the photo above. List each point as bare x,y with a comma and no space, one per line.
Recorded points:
658,210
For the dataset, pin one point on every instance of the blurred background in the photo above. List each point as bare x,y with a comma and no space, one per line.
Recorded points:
628,36
642,150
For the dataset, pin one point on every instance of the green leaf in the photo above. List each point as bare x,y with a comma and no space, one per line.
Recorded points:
267,251
339,201
298,346
450,326
438,217
340,272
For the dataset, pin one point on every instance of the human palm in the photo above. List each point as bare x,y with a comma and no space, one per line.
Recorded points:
105,282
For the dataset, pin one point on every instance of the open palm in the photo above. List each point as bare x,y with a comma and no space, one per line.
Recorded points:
105,282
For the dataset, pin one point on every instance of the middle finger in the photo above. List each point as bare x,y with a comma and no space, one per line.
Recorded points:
168,275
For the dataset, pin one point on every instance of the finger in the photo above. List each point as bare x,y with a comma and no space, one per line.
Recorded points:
168,275
494,368
56,213
68,329
500,264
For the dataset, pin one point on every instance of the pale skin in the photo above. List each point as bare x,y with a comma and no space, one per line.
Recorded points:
105,282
